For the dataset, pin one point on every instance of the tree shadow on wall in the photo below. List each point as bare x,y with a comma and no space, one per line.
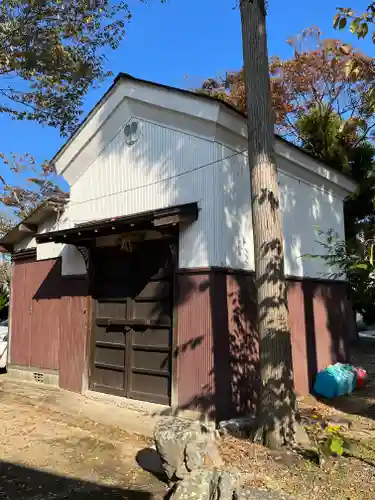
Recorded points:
232,379
54,285
345,347
330,337
328,323
243,348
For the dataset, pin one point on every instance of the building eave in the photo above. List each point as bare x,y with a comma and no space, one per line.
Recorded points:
310,164
81,234
29,225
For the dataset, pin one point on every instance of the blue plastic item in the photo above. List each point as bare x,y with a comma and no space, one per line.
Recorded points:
336,380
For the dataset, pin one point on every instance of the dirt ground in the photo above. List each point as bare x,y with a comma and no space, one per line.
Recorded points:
343,478
55,444
47,454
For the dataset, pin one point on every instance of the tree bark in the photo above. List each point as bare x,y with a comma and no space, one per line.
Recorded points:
276,413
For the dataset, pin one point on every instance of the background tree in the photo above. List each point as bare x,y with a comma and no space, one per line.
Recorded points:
52,52
359,23
30,184
323,101
276,418
5,225
321,72
4,286
339,144
355,263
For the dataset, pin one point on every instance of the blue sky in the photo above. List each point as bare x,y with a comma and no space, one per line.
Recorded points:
181,43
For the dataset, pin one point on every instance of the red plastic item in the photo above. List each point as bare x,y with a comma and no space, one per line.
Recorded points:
361,377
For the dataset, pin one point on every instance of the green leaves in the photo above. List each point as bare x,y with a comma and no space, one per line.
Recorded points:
362,30
333,446
353,25
359,23
355,262
336,445
52,52
342,23
358,265
4,300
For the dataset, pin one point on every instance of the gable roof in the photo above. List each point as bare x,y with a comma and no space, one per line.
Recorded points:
126,76
203,97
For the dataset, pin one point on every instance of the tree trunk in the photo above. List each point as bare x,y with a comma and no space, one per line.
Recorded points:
276,414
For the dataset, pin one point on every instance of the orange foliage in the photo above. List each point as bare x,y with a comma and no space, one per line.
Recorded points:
321,72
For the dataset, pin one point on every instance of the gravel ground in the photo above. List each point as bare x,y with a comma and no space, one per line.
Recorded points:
47,454
57,445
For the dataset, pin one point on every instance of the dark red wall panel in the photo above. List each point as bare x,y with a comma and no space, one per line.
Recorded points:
194,351
22,293
49,320
217,353
73,337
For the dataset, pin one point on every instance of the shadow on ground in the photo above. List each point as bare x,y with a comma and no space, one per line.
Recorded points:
23,483
149,460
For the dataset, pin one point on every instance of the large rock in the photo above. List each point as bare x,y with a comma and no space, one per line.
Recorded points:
208,484
184,446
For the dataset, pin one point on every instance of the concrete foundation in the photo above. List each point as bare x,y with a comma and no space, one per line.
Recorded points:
36,375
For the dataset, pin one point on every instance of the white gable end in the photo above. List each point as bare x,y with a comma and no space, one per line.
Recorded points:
194,150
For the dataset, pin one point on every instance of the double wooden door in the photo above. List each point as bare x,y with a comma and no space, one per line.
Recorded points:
132,324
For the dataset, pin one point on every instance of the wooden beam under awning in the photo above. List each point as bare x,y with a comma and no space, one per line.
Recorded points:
27,228
162,218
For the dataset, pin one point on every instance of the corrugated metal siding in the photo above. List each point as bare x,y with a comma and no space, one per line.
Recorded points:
234,232
194,352
49,321
73,342
23,290
322,325
44,347
321,330
45,329
304,207
218,345
298,326
35,327
129,179
166,167
243,343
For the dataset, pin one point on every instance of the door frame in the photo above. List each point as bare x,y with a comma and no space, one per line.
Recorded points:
173,235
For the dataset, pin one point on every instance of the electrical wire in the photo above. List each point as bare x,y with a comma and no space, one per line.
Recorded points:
159,181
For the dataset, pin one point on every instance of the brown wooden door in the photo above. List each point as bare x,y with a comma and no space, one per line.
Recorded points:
133,321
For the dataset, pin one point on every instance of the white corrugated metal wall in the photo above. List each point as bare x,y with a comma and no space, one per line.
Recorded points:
163,168
168,166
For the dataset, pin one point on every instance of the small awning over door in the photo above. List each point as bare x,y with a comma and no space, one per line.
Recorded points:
155,219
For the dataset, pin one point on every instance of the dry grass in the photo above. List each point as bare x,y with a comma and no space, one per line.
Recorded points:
344,478
338,479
